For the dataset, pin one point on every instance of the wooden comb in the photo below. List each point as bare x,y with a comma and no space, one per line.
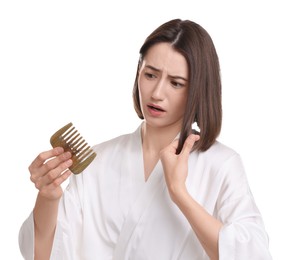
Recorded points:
69,138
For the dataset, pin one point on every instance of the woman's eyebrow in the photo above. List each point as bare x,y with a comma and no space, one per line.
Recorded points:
171,76
152,68
178,77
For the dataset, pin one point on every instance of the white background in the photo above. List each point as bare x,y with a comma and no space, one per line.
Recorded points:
75,61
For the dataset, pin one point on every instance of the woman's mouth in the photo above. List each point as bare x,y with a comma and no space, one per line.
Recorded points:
155,110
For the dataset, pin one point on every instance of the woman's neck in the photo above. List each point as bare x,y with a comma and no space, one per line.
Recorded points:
154,139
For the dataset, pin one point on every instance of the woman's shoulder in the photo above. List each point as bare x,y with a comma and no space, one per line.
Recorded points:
221,151
219,156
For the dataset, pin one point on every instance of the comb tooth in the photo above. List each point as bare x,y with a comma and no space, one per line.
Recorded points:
67,139
68,136
77,150
56,137
73,137
71,142
82,152
82,147
77,142
77,146
79,167
91,153
67,132
85,153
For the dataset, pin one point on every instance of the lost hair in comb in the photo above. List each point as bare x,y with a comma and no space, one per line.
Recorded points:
69,138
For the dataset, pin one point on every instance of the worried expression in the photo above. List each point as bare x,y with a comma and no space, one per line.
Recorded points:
163,86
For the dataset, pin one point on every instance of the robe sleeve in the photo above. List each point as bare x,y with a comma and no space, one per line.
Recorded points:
243,234
26,238
68,222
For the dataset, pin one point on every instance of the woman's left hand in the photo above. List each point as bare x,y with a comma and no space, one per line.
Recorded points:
176,165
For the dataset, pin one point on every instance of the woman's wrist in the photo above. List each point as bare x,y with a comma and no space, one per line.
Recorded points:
178,193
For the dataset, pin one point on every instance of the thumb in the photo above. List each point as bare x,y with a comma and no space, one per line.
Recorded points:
171,148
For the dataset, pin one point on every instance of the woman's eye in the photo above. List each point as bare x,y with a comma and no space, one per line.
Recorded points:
150,75
177,84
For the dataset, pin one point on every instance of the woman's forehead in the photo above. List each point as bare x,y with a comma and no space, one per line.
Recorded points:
163,57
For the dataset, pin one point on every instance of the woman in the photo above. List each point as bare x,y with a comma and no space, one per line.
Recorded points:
163,191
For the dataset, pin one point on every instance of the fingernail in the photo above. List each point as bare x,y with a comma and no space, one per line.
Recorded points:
69,162
59,150
68,154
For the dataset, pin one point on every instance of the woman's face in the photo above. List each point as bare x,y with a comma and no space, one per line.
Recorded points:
163,86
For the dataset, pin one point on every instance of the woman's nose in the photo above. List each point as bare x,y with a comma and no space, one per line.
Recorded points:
158,91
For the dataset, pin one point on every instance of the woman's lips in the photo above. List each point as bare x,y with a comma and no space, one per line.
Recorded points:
155,110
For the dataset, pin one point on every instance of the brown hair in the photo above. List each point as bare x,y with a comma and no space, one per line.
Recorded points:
204,95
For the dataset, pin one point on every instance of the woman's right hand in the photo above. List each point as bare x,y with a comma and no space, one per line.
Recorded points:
49,170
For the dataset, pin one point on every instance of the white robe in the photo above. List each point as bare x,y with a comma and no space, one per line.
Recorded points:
110,212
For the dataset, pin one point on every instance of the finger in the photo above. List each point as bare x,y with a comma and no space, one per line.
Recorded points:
62,178
54,162
52,175
52,187
188,144
44,156
58,171
58,181
171,148
48,165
